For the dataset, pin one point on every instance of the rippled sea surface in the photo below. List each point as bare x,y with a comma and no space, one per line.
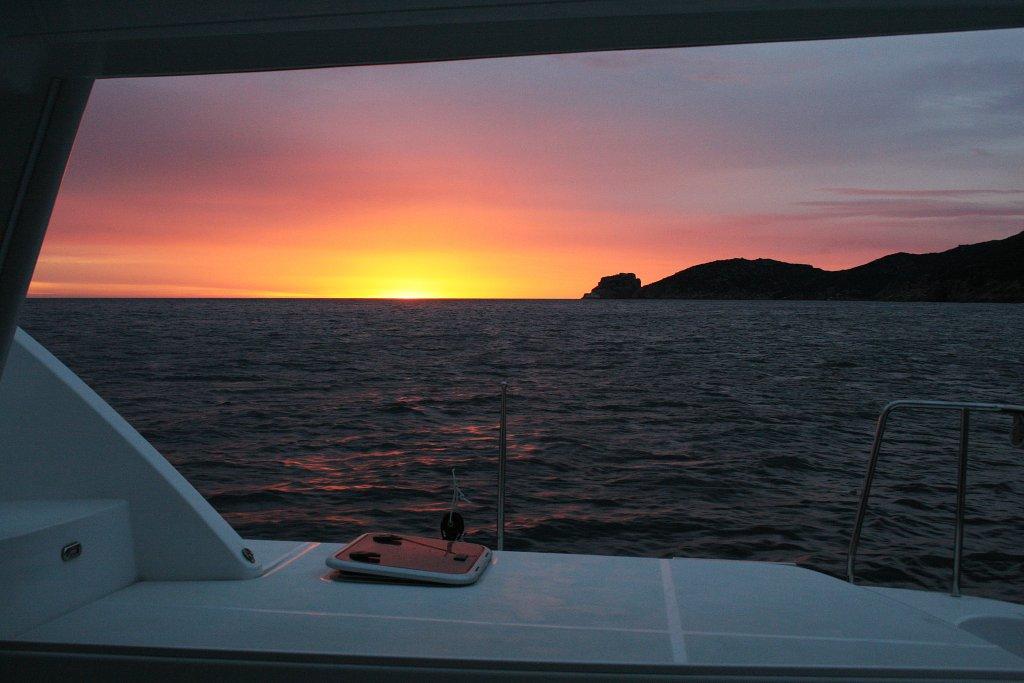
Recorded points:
657,428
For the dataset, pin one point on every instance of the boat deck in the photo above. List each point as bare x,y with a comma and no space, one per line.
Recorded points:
556,612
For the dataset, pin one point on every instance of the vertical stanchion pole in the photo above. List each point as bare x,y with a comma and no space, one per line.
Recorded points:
961,494
502,456
865,492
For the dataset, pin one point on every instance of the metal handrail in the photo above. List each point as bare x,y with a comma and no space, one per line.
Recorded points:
965,409
502,458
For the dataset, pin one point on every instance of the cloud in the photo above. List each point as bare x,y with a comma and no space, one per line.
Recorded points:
960,192
912,209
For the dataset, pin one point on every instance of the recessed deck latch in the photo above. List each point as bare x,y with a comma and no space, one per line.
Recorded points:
71,551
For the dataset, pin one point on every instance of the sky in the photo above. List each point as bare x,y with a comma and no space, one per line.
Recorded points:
532,177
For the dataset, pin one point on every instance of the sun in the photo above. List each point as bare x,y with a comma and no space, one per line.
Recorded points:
407,294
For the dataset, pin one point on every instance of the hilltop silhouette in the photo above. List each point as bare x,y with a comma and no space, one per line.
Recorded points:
987,271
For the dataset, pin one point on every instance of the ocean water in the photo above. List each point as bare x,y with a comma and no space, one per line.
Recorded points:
657,428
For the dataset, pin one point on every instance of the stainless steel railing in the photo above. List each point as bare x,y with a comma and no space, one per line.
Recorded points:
502,458
965,409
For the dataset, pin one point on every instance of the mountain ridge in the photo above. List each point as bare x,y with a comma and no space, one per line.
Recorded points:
991,271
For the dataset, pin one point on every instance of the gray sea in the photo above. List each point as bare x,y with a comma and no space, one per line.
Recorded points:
657,428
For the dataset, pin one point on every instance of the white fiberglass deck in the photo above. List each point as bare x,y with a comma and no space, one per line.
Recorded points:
618,614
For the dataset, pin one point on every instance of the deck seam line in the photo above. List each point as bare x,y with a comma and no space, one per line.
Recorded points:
402,617
288,558
675,625
840,639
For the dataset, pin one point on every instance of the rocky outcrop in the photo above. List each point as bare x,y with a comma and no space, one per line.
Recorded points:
736,279
988,271
621,286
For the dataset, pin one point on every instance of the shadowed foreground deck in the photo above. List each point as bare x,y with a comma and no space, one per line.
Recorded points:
558,614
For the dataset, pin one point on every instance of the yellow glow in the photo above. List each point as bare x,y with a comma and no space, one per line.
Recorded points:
405,294
232,269
450,252
411,275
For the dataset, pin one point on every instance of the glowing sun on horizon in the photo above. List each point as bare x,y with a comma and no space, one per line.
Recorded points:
407,294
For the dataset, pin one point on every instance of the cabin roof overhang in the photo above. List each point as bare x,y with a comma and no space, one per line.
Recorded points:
111,38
